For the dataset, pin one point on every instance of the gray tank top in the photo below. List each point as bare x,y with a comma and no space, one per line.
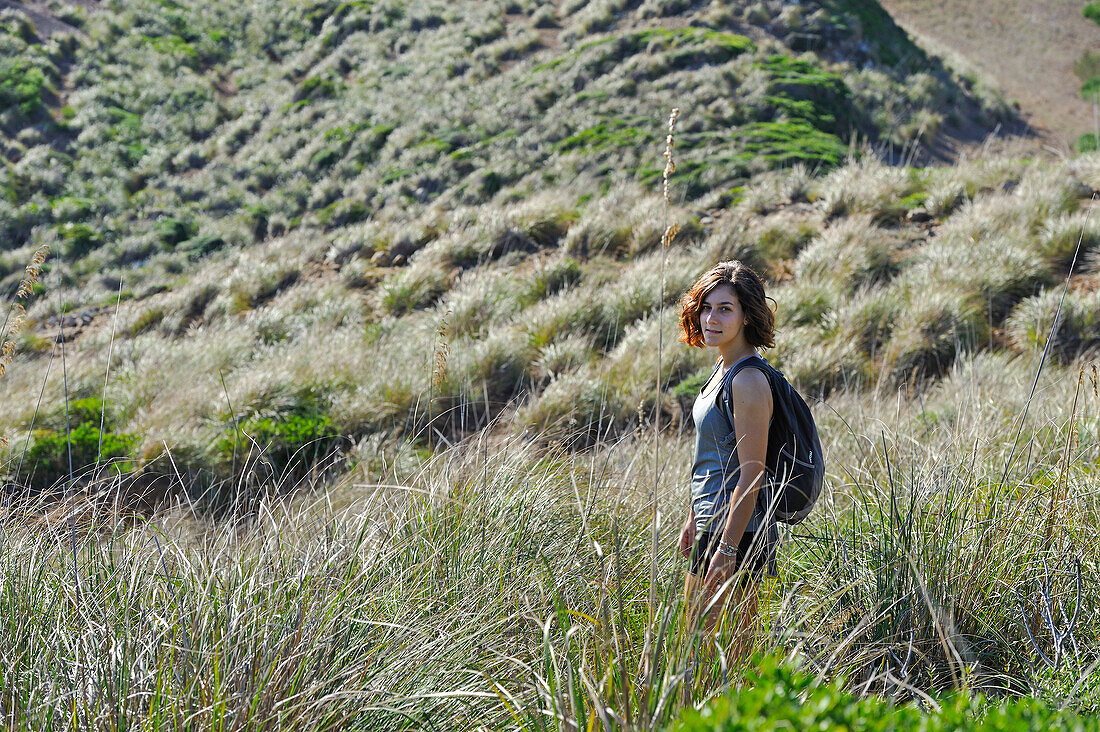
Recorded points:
716,470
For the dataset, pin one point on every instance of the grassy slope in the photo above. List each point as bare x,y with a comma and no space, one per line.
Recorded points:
505,583
503,586
247,175
1045,39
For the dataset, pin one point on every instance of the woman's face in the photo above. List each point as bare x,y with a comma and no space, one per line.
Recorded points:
720,317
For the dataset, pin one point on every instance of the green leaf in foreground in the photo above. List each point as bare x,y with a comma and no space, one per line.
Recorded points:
775,696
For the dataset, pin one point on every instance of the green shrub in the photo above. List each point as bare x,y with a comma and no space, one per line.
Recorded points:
21,87
689,388
47,457
284,444
776,696
1090,90
1088,65
172,231
1087,143
1092,12
78,240
202,245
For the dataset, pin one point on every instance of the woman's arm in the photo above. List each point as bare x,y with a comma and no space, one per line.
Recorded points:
752,410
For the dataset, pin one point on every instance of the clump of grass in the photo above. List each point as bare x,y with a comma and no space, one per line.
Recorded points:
578,408
807,303
1078,329
769,191
495,369
818,363
562,357
478,299
944,197
866,320
853,252
931,330
870,187
415,287
1066,235
780,240
550,278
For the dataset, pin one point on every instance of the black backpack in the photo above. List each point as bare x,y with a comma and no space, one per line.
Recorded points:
795,469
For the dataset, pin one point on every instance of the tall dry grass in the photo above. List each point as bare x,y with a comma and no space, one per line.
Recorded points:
502,584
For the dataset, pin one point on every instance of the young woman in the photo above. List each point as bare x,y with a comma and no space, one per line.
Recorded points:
729,538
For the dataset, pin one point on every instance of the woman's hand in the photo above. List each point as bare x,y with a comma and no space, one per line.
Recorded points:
721,570
687,535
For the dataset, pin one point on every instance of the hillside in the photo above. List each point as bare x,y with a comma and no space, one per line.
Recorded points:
1046,39
295,207
214,167
347,393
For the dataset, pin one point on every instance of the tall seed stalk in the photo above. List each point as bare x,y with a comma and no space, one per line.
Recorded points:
439,364
671,230
17,315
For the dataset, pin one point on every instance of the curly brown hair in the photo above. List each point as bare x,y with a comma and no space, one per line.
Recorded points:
749,288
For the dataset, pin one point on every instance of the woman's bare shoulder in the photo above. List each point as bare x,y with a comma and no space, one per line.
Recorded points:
751,386
750,380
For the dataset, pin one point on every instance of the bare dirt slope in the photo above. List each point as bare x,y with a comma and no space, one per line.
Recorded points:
1026,48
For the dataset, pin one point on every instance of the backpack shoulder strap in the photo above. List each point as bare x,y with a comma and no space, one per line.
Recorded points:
750,362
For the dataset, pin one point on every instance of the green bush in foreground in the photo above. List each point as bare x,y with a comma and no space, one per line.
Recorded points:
778,697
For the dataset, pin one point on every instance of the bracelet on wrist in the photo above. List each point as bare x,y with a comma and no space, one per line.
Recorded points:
726,549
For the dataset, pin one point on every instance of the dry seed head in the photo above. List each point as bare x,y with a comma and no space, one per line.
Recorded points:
19,313
670,166
442,351
669,235
34,269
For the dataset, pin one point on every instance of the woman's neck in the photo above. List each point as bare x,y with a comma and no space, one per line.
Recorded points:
734,353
